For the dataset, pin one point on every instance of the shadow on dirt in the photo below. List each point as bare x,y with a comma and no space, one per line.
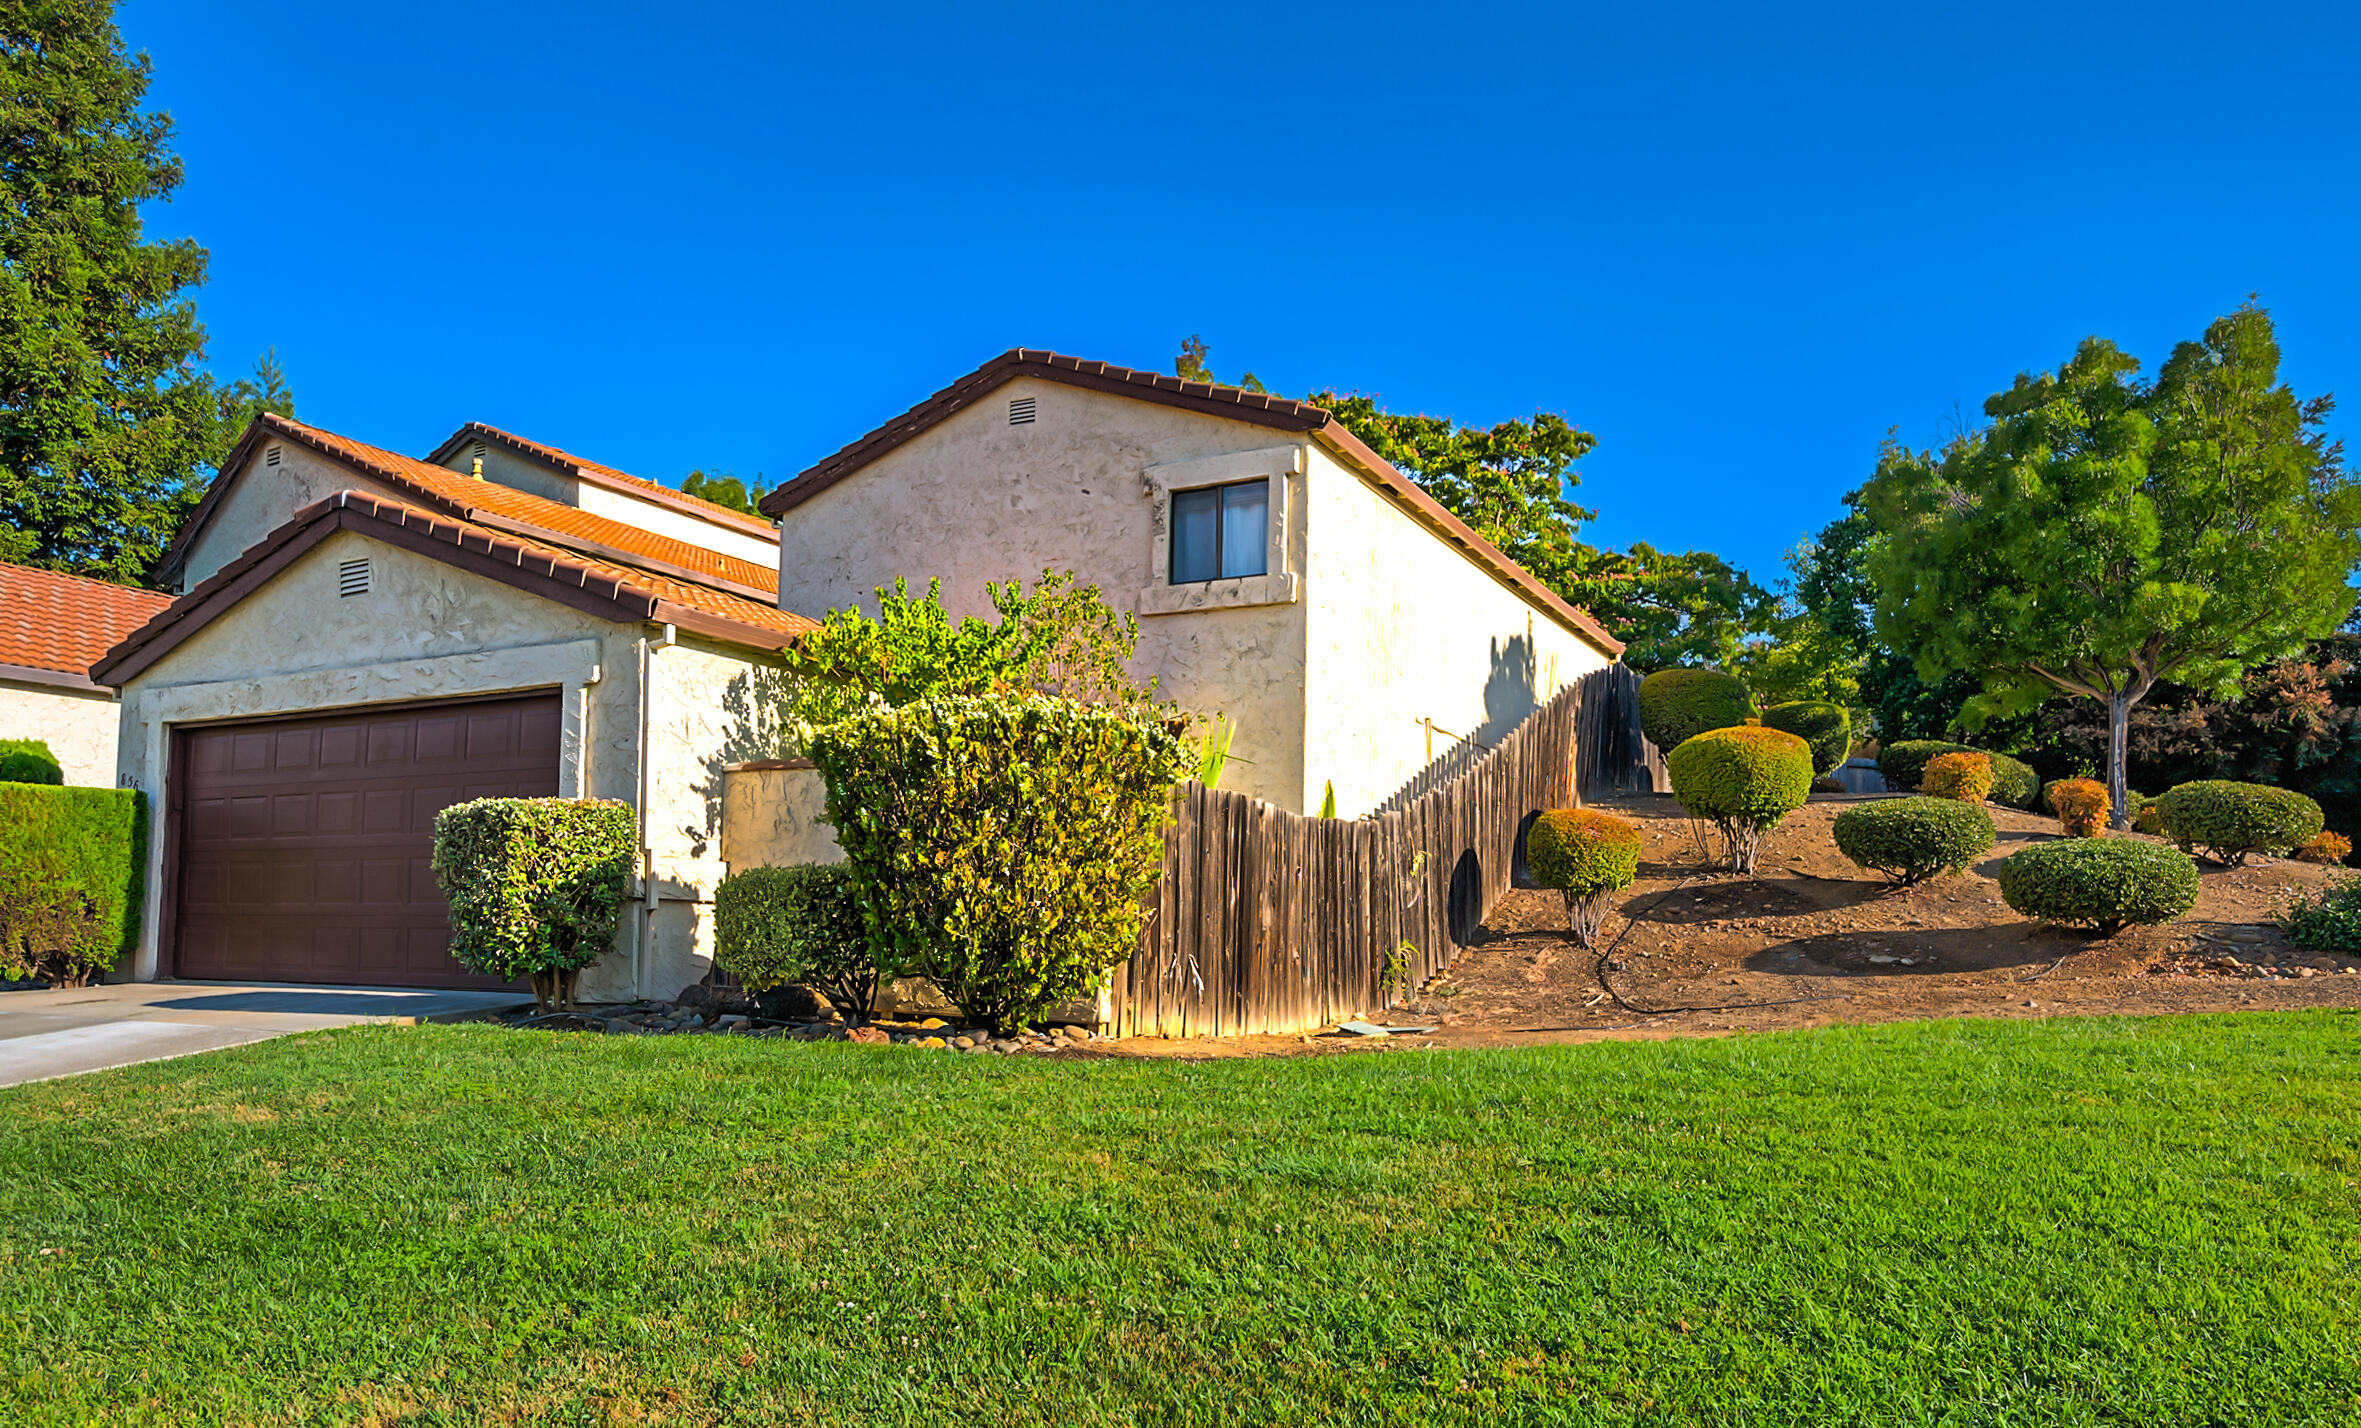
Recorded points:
1921,951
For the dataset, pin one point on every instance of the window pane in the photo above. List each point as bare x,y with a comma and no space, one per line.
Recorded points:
1245,528
1194,518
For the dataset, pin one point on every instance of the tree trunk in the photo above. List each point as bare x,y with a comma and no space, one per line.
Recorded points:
2118,757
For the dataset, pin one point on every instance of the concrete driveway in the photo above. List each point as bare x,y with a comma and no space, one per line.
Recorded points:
44,1034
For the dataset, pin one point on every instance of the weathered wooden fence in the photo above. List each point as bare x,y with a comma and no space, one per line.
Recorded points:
1268,921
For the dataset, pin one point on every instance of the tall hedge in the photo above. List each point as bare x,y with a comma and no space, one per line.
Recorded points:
536,885
29,761
1676,705
1002,844
73,868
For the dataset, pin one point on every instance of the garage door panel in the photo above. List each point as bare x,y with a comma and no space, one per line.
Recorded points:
306,843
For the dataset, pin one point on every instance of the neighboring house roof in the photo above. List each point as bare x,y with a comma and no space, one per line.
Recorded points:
1229,403
54,627
501,507
613,591
608,476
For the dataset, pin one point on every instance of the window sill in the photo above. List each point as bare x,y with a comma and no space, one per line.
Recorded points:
1237,593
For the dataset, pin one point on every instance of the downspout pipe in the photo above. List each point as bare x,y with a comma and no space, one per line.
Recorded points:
641,944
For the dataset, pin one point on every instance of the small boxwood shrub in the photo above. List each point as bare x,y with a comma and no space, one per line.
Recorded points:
2147,815
2082,806
775,927
1913,839
2014,783
1964,777
2325,848
536,886
1676,705
1588,857
2232,821
1828,728
2328,920
73,868
2107,883
1743,781
1001,844
29,761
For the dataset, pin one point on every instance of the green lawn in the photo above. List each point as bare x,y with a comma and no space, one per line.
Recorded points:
2123,1222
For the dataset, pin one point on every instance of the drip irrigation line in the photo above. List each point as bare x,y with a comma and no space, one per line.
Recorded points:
1598,973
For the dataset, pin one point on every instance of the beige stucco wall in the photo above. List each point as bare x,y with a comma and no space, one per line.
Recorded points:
525,474
1404,628
975,499
78,726
776,818
427,630
265,498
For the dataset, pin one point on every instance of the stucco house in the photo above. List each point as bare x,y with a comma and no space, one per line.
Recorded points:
365,638
52,629
1284,575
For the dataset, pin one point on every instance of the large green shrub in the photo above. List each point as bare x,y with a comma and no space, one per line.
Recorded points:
1002,845
1743,781
2328,920
536,886
2014,782
1676,705
73,866
1913,839
29,761
2233,820
1587,856
1828,728
777,926
2106,883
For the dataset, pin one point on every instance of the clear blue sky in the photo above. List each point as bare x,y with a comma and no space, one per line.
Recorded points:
1737,242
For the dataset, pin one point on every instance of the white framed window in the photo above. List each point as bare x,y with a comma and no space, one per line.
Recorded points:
1221,532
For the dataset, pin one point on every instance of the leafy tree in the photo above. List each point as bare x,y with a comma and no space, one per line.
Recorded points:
249,397
2103,534
1057,638
1190,366
1671,608
722,489
106,421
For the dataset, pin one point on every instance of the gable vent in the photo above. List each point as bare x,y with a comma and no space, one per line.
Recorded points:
352,578
271,457
1020,411
480,451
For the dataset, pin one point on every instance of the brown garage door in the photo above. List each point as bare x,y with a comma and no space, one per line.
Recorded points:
304,843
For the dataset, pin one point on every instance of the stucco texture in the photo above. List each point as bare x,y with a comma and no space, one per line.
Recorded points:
1373,625
427,630
776,818
974,499
78,727
1403,629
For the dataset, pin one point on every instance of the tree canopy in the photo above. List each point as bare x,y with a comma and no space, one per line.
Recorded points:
2103,533
722,489
107,422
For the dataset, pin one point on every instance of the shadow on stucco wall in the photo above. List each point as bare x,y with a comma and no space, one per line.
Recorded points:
1512,690
759,709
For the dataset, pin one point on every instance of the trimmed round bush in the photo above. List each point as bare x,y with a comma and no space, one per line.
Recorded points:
1904,765
1913,839
2082,805
2014,783
536,886
776,927
1828,728
2325,848
1676,705
2107,883
1587,856
29,761
2147,816
1743,781
2231,821
1965,777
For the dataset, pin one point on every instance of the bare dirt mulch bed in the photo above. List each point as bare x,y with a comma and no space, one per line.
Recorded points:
1812,940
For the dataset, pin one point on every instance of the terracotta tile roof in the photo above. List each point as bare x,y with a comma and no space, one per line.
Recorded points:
611,590
608,476
1230,403
489,501
62,624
